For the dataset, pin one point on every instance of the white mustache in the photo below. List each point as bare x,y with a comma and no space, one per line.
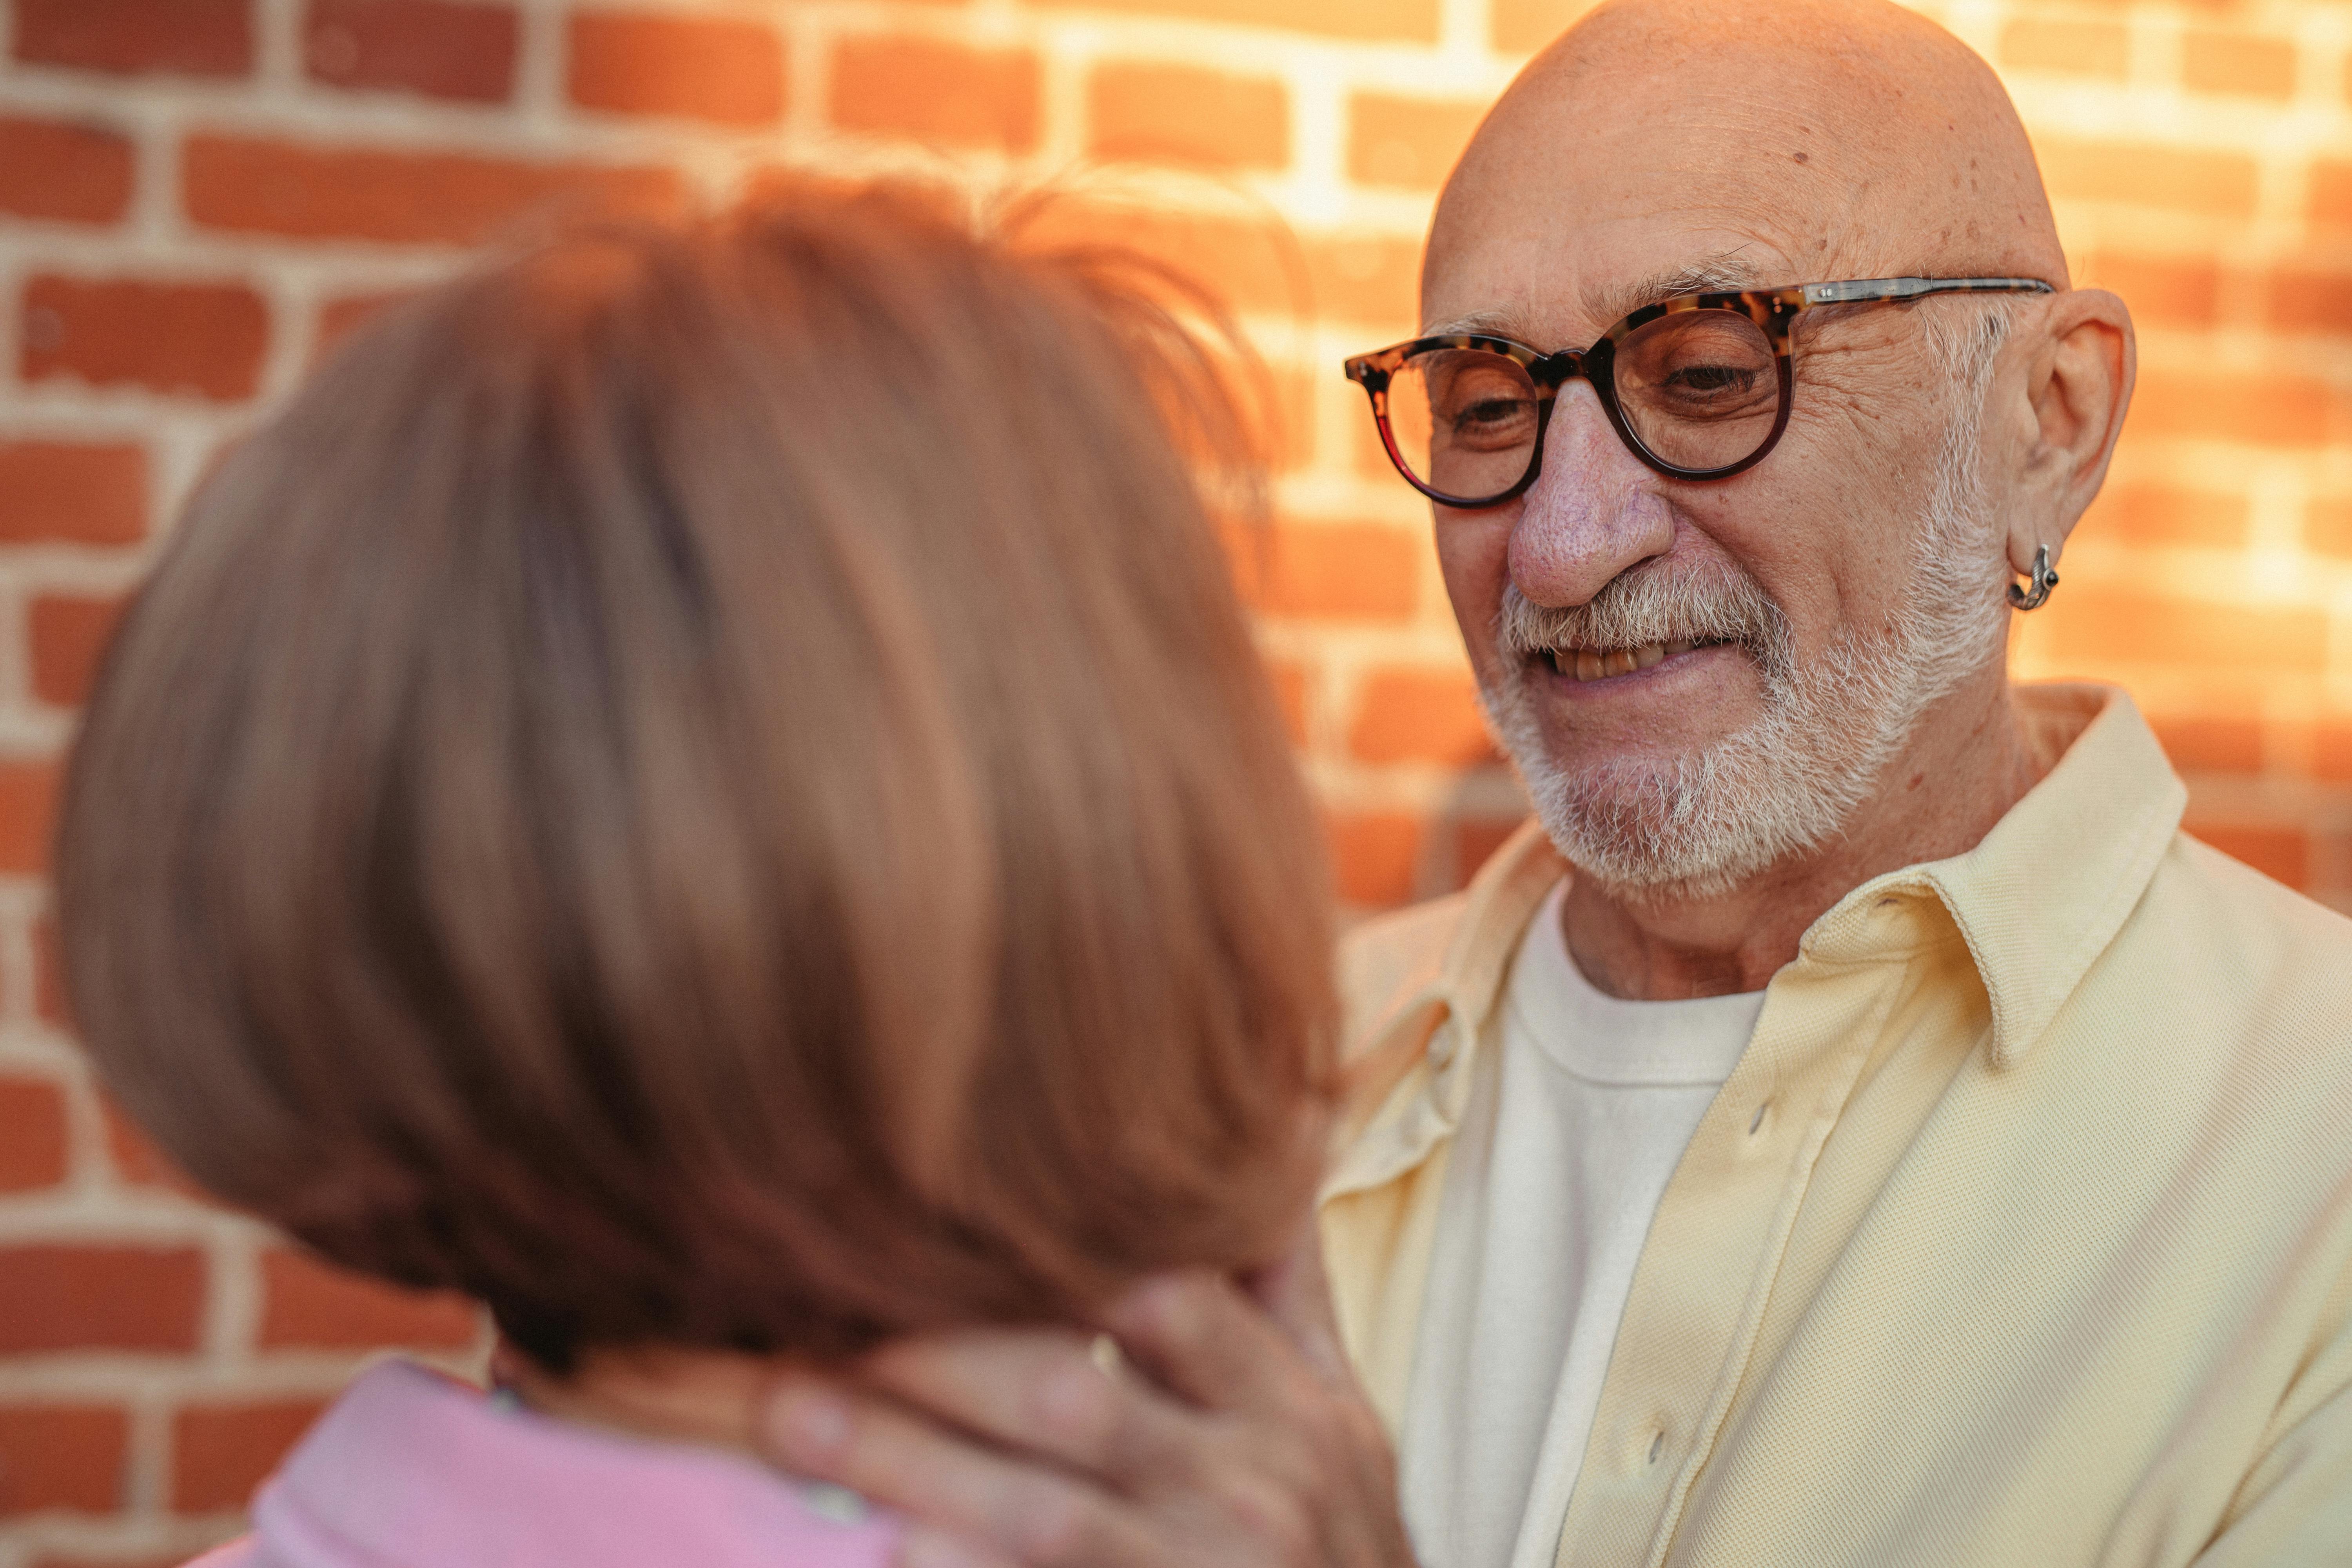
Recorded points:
1651,605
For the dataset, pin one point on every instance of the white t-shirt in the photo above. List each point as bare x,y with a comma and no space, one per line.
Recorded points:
1572,1129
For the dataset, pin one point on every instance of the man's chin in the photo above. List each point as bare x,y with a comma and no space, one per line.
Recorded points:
1654,822
1636,828
1609,760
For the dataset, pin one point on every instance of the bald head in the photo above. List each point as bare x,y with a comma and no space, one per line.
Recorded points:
1763,144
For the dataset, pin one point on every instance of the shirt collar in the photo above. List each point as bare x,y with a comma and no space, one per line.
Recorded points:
2037,901
2047,889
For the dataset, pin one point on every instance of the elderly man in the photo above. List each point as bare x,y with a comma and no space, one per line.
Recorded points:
1855,1127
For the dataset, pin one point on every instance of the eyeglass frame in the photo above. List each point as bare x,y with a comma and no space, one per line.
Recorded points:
1773,310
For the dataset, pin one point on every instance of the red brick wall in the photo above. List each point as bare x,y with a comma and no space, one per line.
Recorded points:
196,194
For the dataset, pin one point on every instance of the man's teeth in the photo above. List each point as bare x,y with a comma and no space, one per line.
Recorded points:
1592,663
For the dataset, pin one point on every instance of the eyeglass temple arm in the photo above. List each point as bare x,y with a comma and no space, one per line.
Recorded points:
1866,289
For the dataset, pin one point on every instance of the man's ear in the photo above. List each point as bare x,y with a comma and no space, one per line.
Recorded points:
2079,376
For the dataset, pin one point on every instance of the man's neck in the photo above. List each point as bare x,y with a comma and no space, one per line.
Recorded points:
1966,764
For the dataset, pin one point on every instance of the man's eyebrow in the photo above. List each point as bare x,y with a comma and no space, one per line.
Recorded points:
1723,273
1499,321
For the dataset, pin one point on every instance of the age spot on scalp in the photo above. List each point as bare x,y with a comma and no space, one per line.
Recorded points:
1802,157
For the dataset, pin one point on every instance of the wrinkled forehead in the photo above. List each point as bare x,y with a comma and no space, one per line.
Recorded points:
1555,242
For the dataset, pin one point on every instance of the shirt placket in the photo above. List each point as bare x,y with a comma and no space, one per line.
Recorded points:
1715,1244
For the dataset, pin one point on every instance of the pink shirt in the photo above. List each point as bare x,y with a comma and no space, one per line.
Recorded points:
410,1470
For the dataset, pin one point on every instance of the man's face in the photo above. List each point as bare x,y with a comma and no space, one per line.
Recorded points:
1826,596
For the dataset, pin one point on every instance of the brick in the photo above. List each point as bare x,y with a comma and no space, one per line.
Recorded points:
69,173
1407,21
2330,206
2328,528
2281,411
2158,514
1412,142
60,1298
203,340
256,187
28,793
727,71
184,37
69,1457
311,1305
936,92
2074,48
2208,745
2095,627
1419,716
2281,853
220,1453
1347,572
2331,754
435,48
1476,839
68,493
68,636
2305,300
32,1134
1375,856
1250,265
1523,26
1284,411
2161,291
1370,278
1256,265
2214,61
1181,115
2218,185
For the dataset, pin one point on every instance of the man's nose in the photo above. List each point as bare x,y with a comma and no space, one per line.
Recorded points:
1592,511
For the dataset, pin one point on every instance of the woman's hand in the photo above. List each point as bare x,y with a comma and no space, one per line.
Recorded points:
1238,1439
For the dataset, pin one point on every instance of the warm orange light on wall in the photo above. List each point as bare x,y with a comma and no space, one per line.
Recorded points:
195,195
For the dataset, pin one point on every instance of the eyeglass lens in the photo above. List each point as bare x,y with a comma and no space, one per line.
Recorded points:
1698,389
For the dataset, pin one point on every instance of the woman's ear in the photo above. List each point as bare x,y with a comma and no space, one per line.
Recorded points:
2080,365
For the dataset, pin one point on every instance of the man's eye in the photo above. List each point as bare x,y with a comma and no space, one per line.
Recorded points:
1492,424
1490,412
1712,378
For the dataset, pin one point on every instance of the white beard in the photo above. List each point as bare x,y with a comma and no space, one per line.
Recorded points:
1701,824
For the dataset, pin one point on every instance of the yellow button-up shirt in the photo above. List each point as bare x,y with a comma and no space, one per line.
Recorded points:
2021,1234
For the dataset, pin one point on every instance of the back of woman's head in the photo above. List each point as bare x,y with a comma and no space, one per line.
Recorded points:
708,784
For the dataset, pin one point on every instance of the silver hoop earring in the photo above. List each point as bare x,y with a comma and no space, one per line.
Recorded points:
2044,579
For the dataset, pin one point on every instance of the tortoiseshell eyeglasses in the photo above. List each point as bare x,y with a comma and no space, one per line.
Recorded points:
1697,387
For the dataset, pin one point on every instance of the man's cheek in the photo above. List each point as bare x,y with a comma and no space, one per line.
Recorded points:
1474,559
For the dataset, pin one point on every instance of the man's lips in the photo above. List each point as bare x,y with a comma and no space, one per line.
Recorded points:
1585,665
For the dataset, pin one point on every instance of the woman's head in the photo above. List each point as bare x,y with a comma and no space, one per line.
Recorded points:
708,785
